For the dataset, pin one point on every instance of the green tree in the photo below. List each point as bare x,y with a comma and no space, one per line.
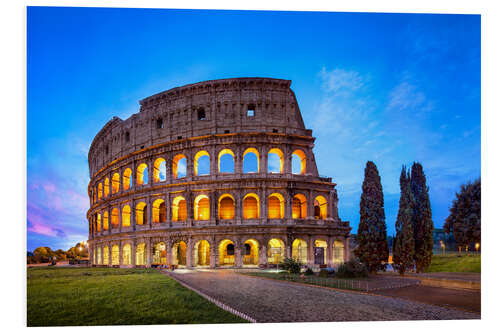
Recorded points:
422,218
464,220
404,244
373,249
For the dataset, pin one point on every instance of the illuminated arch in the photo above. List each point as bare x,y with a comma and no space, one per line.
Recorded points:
106,187
221,154
142,174
338,252
127,179
99,257
321,244
179,253
275,251
201,208
199,155
140,254
115,218
226,253
141,215
115,255
127,254
250,252
98,221
273,168
299,206
299,250
99,191
320,207
179,209
159,254
202,253
115,183
126,216
159,211
276,206
159,170
176,163
105,255
105,221
301,160
246,162
226,207
251,206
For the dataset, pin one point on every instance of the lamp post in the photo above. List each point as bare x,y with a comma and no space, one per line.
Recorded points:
477,247
443,246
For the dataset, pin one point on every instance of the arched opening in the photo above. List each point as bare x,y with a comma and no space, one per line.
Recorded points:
115,183
159,211
179,166
105,220
115,255
179,209
276,206
275,161
105,255
99,191
275,251
141,217
201,163
299,162
179,253
142,174
299,250
127,179
159,254
226,207
126,216
115,218
226,161
226,253
251,252
159,170
201,208
99,258
320,247
140,254
320,207
126,254
251,206
251,161
106,187
338,252
98,221
299,206
202,253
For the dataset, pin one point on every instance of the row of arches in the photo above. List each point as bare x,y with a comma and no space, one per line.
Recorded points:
202,254
201,166
226,209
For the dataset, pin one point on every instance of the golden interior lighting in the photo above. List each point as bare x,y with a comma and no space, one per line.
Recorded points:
142,170
127,254
278,152
159,167
302,156
115,183
251,252
159,211
99,191
198,155
251,206
98,221
175,165
115,218
105,255
105,221
320,206
179,253
140,254
321,243
106,187
226,207
126,216
179,209
222,153
338,252
299,250
202,253
115,255
140,213
256,153
299,206
127,174
201,208
275,251
99,258
226,253
276,206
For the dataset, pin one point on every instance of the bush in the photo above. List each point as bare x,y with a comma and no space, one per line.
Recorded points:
291,265
326,272
309,271
352,269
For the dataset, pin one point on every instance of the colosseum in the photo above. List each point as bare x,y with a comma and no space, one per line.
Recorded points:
213,174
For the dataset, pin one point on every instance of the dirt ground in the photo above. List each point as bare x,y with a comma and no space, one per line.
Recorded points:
459,299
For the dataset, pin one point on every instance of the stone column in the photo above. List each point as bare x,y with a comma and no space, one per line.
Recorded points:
288,205
149,163
263,215
263,160
238,258
213,257
120,253
329,252
238,162
149,212
213,161
133,255
287,156
189,253
347,251
310,205
238,209
132,214
168,246
149,251
168,209
310,252
262,254
168,168
189,165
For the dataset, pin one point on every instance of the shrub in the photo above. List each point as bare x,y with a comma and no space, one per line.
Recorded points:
324,273
352,269
309,271
291,265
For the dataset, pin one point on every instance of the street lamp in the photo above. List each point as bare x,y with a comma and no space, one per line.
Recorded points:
443,246
477,247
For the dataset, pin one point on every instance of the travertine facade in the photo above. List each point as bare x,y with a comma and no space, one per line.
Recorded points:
152,204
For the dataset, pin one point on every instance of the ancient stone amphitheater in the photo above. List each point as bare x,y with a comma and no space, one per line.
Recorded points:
213,174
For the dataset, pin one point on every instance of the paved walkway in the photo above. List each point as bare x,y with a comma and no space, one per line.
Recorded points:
277,301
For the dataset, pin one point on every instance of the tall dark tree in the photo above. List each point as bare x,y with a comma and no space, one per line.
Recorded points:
373,249
464,220
404,243
422,218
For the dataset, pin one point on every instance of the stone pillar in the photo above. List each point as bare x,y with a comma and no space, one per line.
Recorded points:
287,163
262,254
238,258
149,251
263,214
347,251
288,205
149,212
189,253
189,165
120,253
213,256
238,208
133,255
149,163
168,247
238,162
263,160
310,252
213,161
168,209
329,252
310,205
132,214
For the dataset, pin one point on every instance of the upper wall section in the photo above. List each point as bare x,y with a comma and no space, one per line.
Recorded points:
204,108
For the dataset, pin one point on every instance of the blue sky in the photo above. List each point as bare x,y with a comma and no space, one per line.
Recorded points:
391,88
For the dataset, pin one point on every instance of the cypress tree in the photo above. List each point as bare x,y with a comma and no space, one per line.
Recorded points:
404,244
373,248
422,218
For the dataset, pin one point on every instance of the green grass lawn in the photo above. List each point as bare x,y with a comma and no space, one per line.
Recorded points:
113,296
465,263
